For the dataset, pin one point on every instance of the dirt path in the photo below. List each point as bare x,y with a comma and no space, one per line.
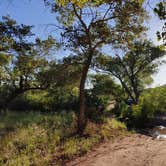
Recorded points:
136,150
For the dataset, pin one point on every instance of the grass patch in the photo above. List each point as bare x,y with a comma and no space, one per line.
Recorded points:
112,128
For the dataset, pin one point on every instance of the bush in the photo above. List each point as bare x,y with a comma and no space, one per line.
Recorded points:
56,99
124,113
152,102
133,116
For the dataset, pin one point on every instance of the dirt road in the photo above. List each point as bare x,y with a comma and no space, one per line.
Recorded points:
135,150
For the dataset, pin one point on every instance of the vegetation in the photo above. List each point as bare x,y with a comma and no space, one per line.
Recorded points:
25,65
160,10
57,109
86,38
135,68
152,103
32,136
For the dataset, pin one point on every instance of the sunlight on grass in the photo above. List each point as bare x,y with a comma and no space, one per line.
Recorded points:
49,137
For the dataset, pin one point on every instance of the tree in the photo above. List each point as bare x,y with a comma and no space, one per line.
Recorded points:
24,62
160,9
105,85
86,28
81,3
135,68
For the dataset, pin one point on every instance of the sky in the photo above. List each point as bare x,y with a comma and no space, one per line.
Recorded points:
34,12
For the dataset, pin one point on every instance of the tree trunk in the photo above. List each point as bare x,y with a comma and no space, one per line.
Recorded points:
135,90
127,90
81,121
137,94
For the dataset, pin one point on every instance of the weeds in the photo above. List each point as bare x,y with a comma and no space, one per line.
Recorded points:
46,139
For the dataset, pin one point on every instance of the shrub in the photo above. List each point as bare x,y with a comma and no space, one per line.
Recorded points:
134,116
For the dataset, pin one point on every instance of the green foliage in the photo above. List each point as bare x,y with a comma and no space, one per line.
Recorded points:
32,136
50,137
36,136
104,89
105,85
29,144
13,119
114,124
152,102
135,116
124,113
5,59
160,9
64,97
81,3
23,60
116,24
135,68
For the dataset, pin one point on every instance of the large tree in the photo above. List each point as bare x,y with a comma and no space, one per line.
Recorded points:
135,68
86,28
23,61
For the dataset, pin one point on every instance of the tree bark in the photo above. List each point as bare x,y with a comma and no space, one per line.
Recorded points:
127,89
81,121
135,89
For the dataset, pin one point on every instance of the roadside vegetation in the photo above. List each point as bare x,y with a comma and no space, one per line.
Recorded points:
26,138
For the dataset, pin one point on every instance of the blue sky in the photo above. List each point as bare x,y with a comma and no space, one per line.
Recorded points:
30,12
33,12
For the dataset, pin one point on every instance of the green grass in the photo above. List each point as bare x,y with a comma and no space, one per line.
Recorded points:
112,129
15,119
47,139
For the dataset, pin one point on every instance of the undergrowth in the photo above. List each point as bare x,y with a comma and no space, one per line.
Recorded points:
41,140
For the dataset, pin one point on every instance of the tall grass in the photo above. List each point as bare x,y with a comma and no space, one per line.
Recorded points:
48,139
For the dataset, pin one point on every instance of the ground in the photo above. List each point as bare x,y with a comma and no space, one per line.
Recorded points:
134,150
